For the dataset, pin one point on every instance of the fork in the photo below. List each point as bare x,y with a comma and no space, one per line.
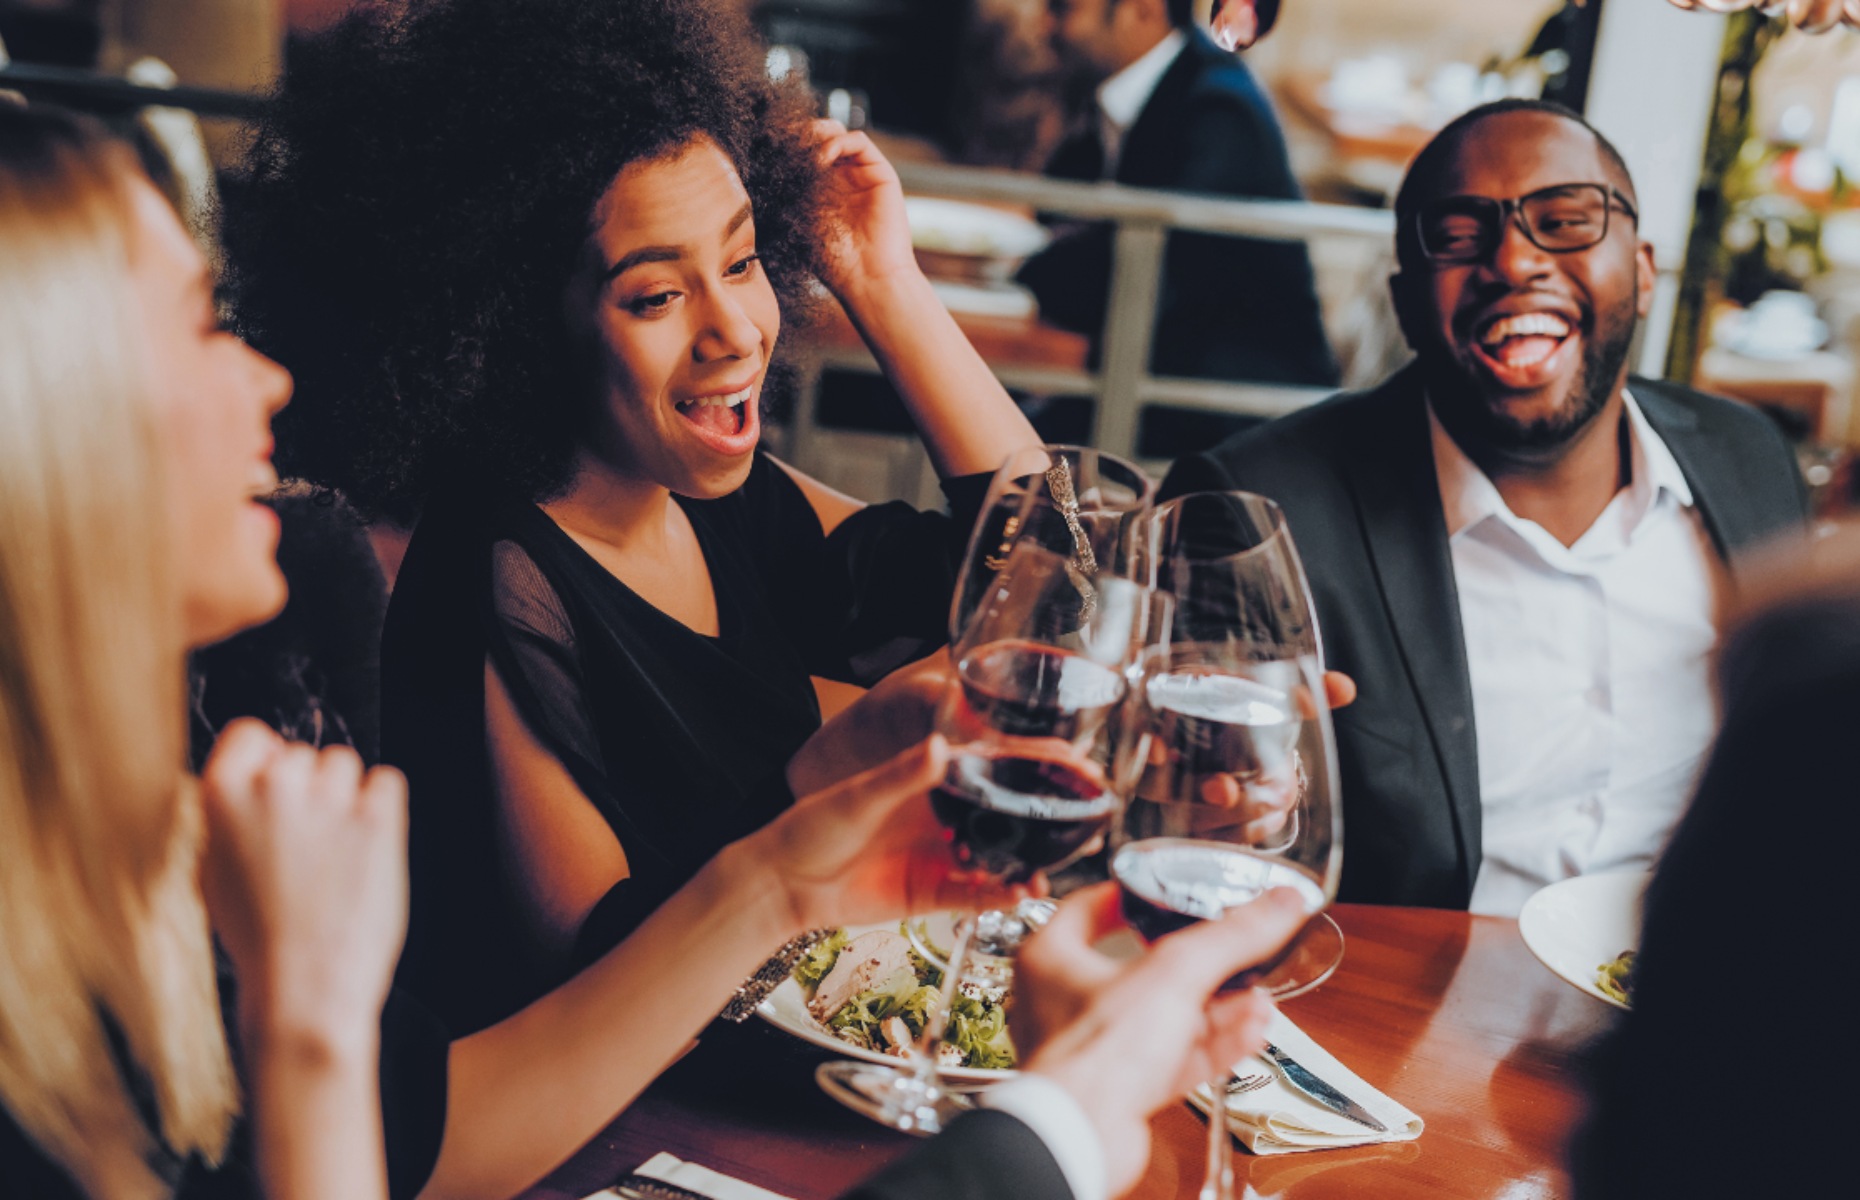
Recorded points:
1240,1085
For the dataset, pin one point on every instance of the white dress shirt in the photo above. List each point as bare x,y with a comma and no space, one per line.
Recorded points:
1121,97
1591,690
1058,1121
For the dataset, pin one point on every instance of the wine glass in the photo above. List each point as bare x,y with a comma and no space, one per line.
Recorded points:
1032,721
1082,504
1230,767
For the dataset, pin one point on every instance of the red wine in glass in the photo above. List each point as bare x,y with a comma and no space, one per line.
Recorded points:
1168,884
1014,814
1015,688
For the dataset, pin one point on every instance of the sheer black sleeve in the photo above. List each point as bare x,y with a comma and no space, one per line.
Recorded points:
533,648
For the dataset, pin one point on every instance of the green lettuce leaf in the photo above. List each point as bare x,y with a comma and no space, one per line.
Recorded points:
818,962
979,1029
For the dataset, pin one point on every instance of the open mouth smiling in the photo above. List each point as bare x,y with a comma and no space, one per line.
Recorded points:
724,421
1525,350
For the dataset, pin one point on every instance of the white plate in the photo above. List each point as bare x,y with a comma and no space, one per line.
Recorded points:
786,1010
958,227
1575,926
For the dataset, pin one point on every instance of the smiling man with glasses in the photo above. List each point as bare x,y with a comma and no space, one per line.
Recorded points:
1513,546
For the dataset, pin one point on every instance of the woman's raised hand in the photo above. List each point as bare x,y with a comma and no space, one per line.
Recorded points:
867,239
305,877
869,849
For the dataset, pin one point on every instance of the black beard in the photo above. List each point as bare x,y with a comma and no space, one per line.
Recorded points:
1460,402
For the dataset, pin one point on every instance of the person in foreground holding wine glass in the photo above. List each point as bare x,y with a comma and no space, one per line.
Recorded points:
126,1048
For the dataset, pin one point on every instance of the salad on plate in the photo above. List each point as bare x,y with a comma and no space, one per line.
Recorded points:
874,991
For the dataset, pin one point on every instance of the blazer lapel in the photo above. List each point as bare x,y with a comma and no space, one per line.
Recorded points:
1709,465
1397,494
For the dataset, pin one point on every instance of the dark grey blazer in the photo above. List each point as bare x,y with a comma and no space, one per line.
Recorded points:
1355,475
983,1155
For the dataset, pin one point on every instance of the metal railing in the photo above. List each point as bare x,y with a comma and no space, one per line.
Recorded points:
97,92
1122,386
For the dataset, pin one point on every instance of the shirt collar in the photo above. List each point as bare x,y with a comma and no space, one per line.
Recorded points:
1123,95
1468,497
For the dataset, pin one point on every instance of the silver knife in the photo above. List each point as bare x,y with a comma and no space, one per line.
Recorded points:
1318,1090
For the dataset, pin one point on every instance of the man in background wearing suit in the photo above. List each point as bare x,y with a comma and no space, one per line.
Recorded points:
1170,109
1512,548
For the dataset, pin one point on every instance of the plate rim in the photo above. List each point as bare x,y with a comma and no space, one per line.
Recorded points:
1531,916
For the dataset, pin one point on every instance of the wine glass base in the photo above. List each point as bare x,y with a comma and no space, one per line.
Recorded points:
1312,960
892,1096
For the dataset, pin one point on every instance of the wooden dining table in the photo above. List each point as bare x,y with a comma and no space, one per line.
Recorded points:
1445,1012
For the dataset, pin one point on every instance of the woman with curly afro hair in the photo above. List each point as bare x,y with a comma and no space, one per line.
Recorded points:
528,263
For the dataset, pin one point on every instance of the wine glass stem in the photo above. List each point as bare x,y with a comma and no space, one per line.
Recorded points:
924,1060
1219,1183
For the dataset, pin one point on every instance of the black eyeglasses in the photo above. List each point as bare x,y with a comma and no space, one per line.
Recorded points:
1560,219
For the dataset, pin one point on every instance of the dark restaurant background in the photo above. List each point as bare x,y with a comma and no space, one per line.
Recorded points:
1745,137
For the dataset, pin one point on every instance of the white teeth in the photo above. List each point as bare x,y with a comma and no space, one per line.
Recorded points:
729,401
1525,325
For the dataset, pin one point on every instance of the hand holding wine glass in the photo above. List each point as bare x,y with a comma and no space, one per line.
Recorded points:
1031,721
1230,715
1124,1037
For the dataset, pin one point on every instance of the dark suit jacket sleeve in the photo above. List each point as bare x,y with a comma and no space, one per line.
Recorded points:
983,1155
1195,473
1739,943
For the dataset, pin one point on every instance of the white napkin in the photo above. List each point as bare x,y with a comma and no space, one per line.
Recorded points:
714,1184
1279,1119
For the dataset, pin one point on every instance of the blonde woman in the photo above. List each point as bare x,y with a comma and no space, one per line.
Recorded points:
134,442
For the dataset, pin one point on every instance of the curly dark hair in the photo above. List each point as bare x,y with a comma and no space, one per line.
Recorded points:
416,196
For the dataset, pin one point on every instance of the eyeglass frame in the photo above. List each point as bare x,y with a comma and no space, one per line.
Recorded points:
1511,212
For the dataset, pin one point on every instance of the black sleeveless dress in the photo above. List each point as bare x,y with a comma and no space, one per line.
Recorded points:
679,740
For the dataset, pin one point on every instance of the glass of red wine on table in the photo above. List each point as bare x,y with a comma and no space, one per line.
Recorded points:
1033,722
1230,761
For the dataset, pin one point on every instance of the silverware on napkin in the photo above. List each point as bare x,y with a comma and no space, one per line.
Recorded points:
645,1187
1318,1090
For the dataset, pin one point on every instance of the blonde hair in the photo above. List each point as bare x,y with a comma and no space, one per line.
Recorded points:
103,934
